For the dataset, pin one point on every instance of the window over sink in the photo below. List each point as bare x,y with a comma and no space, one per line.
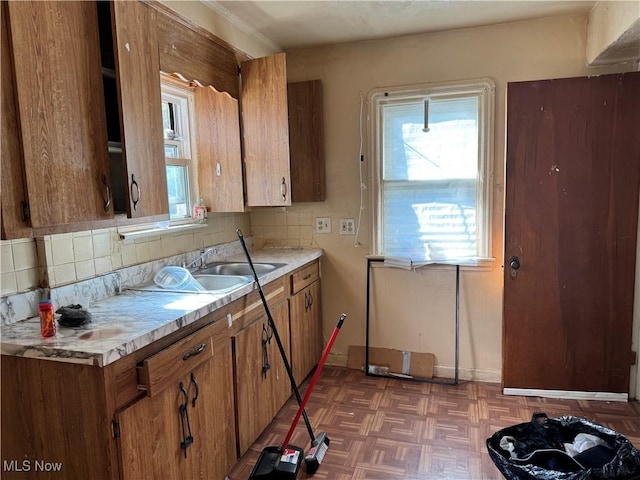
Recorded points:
178,123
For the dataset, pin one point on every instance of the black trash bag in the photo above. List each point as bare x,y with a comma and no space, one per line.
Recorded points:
538,450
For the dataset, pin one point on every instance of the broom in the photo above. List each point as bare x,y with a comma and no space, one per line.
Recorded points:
283,462
272,324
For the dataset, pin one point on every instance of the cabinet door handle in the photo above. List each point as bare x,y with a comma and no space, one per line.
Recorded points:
197,392
187,437
107,202
306,301
135,200
310,299
195,352
283,189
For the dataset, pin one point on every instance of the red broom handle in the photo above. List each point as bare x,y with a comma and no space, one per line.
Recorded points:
314,379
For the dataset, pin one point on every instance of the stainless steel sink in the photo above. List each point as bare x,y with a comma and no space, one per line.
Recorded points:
238,268
214,283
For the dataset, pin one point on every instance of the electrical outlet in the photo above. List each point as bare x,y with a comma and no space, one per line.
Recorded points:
323,224
347,226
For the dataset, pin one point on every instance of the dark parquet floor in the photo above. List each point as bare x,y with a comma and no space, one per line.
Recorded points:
388,429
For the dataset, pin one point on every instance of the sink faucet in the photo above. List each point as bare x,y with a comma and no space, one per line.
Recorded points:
200,258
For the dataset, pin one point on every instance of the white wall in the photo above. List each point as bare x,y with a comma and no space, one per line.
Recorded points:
613,33
414,311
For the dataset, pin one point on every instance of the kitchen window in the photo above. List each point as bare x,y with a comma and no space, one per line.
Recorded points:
432,150
180,158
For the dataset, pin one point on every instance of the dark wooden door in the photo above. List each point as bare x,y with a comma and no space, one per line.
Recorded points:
573,169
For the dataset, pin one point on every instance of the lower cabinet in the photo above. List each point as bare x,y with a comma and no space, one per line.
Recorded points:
306,321
185,406
181,430
262,385
92,422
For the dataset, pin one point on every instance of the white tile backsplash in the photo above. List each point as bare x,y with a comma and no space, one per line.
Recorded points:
24,254
62,249
62,260
101,244
85,269
82,248
6,256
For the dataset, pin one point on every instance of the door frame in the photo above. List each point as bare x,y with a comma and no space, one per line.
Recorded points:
634,387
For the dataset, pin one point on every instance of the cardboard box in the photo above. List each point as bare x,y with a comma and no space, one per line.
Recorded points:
399,362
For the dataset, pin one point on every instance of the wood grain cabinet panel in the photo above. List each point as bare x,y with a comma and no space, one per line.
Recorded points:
306,141
13,199
58,411
184,430
265,131
58,134
137,70
56,55
260,393
219,154
305,320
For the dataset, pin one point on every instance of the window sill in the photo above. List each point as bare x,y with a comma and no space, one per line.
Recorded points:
475,264
159,230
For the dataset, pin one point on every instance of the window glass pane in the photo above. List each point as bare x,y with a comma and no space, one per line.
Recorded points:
168,119
449,149
178,189
429,221
171,151
430,178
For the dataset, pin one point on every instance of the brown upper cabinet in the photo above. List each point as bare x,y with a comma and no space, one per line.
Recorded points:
306,141
137,65
82,140
265,131
219,153
261,90
57,53
13,196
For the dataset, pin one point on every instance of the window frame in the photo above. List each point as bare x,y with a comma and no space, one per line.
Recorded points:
484,88
181,93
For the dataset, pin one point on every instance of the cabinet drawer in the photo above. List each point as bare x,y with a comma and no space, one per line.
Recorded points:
305,276
176,361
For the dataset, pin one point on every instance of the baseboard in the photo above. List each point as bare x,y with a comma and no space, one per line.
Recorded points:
469,374
568,394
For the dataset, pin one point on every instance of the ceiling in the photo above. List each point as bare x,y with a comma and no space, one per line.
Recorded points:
308,23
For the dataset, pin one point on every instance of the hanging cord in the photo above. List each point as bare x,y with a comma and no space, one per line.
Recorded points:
356,243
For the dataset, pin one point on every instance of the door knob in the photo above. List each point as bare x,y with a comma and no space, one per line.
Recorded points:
514,263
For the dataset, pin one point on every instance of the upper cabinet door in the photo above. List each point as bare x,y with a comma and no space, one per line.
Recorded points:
15,222
265,131
306,141
218,145
138,74
61,109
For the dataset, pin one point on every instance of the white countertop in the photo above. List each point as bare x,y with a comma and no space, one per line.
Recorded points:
124,323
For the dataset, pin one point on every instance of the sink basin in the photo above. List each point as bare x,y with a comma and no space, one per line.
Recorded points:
238,268
220,283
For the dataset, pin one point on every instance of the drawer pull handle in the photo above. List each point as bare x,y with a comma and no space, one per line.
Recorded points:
195,352
307,276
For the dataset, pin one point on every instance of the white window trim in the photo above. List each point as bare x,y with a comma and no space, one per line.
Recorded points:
484,86
182,95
